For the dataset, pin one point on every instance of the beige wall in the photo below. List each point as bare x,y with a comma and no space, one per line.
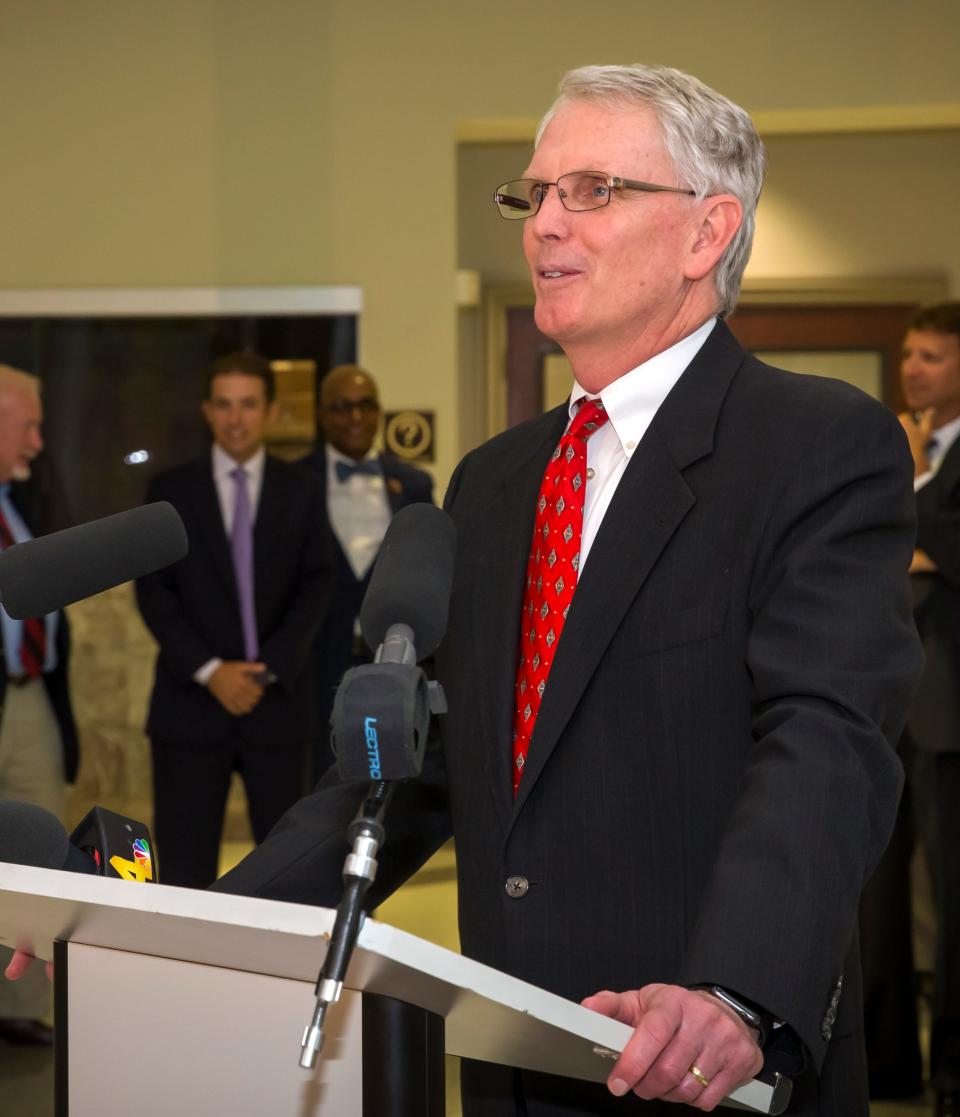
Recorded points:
877,206
243,142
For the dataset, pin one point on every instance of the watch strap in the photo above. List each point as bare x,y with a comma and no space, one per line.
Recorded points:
752,1015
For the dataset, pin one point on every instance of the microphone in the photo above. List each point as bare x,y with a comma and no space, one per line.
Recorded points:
381,712
43,575
104,844
411,583
381,715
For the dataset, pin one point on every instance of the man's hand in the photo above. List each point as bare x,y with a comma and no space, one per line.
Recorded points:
234,687
922,563
676,1029
918,435
20,963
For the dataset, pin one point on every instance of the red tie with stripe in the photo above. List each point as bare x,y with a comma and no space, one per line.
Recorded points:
551,572
33,646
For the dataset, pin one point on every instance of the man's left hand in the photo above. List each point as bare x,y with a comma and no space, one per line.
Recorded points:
20,963
676,1029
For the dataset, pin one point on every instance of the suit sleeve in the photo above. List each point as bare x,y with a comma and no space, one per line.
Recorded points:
301,860
286,649
833,657
938,527
182,647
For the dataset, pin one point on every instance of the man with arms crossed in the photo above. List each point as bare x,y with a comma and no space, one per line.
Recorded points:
930,747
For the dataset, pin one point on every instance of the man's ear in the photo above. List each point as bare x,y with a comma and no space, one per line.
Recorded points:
721,218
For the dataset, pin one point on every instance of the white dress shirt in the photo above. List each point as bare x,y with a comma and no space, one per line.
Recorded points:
359,511
223,466
631,401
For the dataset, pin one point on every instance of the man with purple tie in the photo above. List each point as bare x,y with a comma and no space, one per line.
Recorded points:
235,620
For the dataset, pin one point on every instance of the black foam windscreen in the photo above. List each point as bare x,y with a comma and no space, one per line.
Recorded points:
45,574
412,578
31,835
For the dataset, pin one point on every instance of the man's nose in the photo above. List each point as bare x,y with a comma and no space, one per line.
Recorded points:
552,216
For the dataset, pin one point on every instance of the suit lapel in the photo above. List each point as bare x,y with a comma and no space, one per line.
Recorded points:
948,475
210,518
650,503
396,497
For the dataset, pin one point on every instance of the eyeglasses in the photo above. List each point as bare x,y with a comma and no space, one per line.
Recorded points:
578,191
367,405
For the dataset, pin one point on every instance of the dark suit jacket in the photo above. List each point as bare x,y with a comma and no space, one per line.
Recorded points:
934,720
193,610
712,777
57,683
404,485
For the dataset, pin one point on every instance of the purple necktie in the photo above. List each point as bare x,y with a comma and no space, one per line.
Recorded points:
241,547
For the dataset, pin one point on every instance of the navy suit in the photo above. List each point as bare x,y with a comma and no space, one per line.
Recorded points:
192,609
334,644
930,749
711,777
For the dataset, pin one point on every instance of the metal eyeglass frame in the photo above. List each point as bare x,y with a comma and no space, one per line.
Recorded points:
613,182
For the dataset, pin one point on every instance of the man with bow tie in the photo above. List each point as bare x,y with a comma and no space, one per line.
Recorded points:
364,490
235,621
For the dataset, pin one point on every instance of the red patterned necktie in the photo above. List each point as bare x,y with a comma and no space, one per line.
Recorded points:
33,646
551,572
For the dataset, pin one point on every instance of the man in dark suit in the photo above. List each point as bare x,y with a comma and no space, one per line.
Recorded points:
930,747
672,782
364,490
39,751
235,620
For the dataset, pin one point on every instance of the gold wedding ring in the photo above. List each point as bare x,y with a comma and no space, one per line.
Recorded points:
700,1076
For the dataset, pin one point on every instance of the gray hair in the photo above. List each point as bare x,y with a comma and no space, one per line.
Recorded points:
13,379
712,142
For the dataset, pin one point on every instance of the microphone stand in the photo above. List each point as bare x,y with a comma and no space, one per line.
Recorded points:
359,872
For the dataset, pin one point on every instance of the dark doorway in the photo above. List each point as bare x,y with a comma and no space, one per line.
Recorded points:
122,395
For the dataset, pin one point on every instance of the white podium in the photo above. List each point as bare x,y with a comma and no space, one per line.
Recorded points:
171,1001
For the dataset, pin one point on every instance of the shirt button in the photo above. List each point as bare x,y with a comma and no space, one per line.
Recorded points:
631,445
517,887
591,473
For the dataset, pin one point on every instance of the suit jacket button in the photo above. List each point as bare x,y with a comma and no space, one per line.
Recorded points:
517,887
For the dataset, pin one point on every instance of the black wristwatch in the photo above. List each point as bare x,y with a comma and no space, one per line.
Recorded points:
752,1015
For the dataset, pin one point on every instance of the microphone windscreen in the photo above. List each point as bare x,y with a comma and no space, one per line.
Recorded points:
31,835
45,574
412,578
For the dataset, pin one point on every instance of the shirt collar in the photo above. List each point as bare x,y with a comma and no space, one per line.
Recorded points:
224,465
633,399
334,455
945,436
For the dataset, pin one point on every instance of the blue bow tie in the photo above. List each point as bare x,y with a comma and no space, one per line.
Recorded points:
346,470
